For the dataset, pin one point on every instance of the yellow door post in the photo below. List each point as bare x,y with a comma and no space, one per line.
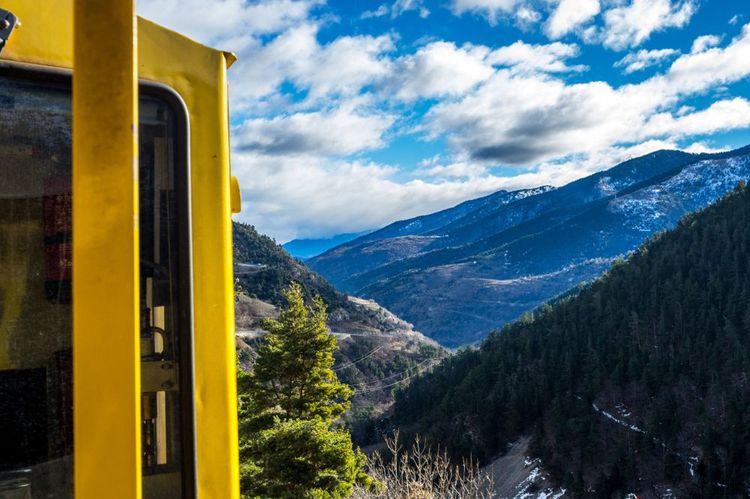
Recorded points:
106,375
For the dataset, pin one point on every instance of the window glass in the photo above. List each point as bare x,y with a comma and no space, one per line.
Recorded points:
36,430
165,348
36,440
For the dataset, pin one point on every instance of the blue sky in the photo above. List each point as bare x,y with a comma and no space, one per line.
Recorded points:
348,115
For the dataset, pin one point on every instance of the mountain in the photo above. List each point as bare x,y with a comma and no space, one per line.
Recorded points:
507,253
638,383
377,350
308,248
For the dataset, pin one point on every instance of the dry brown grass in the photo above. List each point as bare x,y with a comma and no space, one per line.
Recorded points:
421,473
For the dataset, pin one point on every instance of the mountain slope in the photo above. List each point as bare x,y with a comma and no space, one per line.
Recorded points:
458,282
638,383
377,350
308,248
405,238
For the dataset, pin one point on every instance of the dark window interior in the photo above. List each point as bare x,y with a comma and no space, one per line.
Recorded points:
36,431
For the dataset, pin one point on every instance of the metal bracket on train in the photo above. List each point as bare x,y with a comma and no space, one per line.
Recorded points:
8,22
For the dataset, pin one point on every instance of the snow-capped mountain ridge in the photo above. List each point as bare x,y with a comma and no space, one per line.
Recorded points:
494,258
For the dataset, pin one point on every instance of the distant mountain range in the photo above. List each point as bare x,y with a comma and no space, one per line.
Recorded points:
308,248
460,273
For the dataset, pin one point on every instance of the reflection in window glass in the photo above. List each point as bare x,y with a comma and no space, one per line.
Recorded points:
36,435
164,326
36,428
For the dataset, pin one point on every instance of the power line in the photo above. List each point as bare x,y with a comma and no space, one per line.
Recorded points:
349,364
392,384
399,373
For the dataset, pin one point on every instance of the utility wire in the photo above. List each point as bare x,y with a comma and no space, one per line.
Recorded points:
399,373
349,364
391,384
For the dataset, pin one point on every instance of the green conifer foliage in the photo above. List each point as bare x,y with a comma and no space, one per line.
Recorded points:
289,404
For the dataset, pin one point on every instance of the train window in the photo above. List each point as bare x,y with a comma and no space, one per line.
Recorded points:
166,350
36,440
36,430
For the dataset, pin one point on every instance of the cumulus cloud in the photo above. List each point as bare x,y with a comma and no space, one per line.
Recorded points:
220,20
692,73
438,69
310,108
381,11
339,68
434,168
526,17
720,116
398,8
632,24
570,14
522,119
493,10
702,43
288,194
637,61
342,131
286,201
402,6
525,58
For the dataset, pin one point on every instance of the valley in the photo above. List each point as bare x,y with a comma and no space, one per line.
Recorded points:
633,384
459,274
377,350
598,311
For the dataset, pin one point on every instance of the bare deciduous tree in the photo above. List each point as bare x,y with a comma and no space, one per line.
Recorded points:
420,473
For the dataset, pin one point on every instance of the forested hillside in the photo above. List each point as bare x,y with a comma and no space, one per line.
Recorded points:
461,273
377,350
638,382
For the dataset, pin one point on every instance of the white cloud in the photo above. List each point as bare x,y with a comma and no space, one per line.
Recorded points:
286,200
702,43
491,9
525,58
441,69
381,11
339,68
438,69
720,116
526,17
570,14
219,20
692,73
398,8
302,159
402,6
632,24
524,119
459,170
338,132
309,196
735,19
636,61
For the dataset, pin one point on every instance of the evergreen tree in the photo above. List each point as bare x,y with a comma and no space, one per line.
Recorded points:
289,404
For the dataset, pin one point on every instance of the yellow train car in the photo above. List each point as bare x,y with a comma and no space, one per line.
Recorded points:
117,363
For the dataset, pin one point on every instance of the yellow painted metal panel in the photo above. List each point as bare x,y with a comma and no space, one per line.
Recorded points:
46,32
236,195
106,357
198,74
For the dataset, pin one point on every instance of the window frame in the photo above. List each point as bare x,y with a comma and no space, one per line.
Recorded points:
62,78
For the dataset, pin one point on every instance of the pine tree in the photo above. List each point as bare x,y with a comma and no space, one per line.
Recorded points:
289,404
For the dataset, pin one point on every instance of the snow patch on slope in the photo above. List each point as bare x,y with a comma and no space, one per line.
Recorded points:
693,188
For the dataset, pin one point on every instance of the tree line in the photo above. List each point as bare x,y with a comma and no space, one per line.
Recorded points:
639,381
